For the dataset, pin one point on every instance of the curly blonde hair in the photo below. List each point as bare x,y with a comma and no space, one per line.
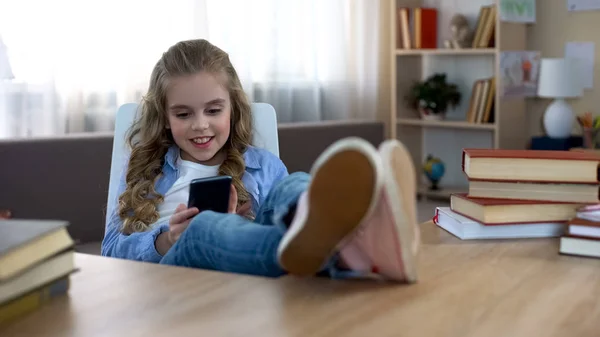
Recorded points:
149,138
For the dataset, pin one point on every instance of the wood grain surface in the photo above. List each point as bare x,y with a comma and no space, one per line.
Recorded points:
466,288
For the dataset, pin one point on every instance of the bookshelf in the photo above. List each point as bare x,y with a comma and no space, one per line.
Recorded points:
445,139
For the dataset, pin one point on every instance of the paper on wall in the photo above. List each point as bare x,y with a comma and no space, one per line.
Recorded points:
519,73
583,5
517,11
585,55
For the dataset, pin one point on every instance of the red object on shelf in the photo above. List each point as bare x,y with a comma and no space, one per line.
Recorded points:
425,28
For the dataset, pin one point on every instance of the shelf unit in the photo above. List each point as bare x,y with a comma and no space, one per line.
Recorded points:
446,139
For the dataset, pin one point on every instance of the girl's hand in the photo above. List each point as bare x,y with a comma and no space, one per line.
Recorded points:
233,200
178,222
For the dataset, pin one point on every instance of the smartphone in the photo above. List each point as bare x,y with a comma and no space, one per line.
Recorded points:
210,194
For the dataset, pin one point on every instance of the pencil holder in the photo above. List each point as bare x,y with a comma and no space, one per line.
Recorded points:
589,137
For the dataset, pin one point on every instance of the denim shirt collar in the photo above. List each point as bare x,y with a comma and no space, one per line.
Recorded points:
252,163
173,155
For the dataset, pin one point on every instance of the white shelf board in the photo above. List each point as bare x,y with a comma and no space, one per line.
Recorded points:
446,52
446,124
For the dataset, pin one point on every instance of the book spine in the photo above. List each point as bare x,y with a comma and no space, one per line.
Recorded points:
32,301
428,28
464,153
491,224
417,27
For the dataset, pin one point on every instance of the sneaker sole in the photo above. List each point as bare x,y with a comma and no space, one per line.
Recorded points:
400,182
345,180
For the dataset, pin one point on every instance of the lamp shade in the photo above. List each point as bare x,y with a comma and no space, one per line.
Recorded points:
559,78
5,69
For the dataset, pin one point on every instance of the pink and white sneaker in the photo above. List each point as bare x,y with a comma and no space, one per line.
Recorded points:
387,243
346,180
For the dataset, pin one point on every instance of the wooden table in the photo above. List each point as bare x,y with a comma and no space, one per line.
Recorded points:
493,288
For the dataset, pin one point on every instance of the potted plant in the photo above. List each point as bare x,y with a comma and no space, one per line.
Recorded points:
433,97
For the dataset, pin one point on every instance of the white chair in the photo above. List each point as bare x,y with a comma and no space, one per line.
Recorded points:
265,136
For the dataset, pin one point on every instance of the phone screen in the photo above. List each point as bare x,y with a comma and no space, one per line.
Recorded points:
210,194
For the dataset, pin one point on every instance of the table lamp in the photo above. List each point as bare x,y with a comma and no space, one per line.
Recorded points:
559,79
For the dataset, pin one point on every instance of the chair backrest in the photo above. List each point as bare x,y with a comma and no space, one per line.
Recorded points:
265,136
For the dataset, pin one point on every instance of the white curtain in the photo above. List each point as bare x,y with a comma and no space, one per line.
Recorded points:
74,62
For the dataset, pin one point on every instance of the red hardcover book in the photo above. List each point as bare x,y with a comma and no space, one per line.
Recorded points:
505,211
535,191
584,222
584,228
566,167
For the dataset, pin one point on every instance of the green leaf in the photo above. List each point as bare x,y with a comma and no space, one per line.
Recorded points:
434,93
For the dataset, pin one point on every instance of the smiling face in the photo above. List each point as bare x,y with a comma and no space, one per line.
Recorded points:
199,116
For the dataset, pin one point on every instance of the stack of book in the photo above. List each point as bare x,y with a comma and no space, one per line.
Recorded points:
582,237
417,28
36,261
481,106
521,193
485,28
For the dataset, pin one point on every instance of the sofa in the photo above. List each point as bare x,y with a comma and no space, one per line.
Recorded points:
67,177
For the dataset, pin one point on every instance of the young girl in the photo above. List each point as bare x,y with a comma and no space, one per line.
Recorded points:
353,216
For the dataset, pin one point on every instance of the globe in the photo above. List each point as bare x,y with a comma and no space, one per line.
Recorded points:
434,170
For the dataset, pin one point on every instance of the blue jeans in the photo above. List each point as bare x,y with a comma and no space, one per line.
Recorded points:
231,243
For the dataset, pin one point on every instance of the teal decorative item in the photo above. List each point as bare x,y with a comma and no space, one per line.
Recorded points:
434,170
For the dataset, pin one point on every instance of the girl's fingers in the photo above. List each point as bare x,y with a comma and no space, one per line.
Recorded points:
180,227
233,199
182,216
245,208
